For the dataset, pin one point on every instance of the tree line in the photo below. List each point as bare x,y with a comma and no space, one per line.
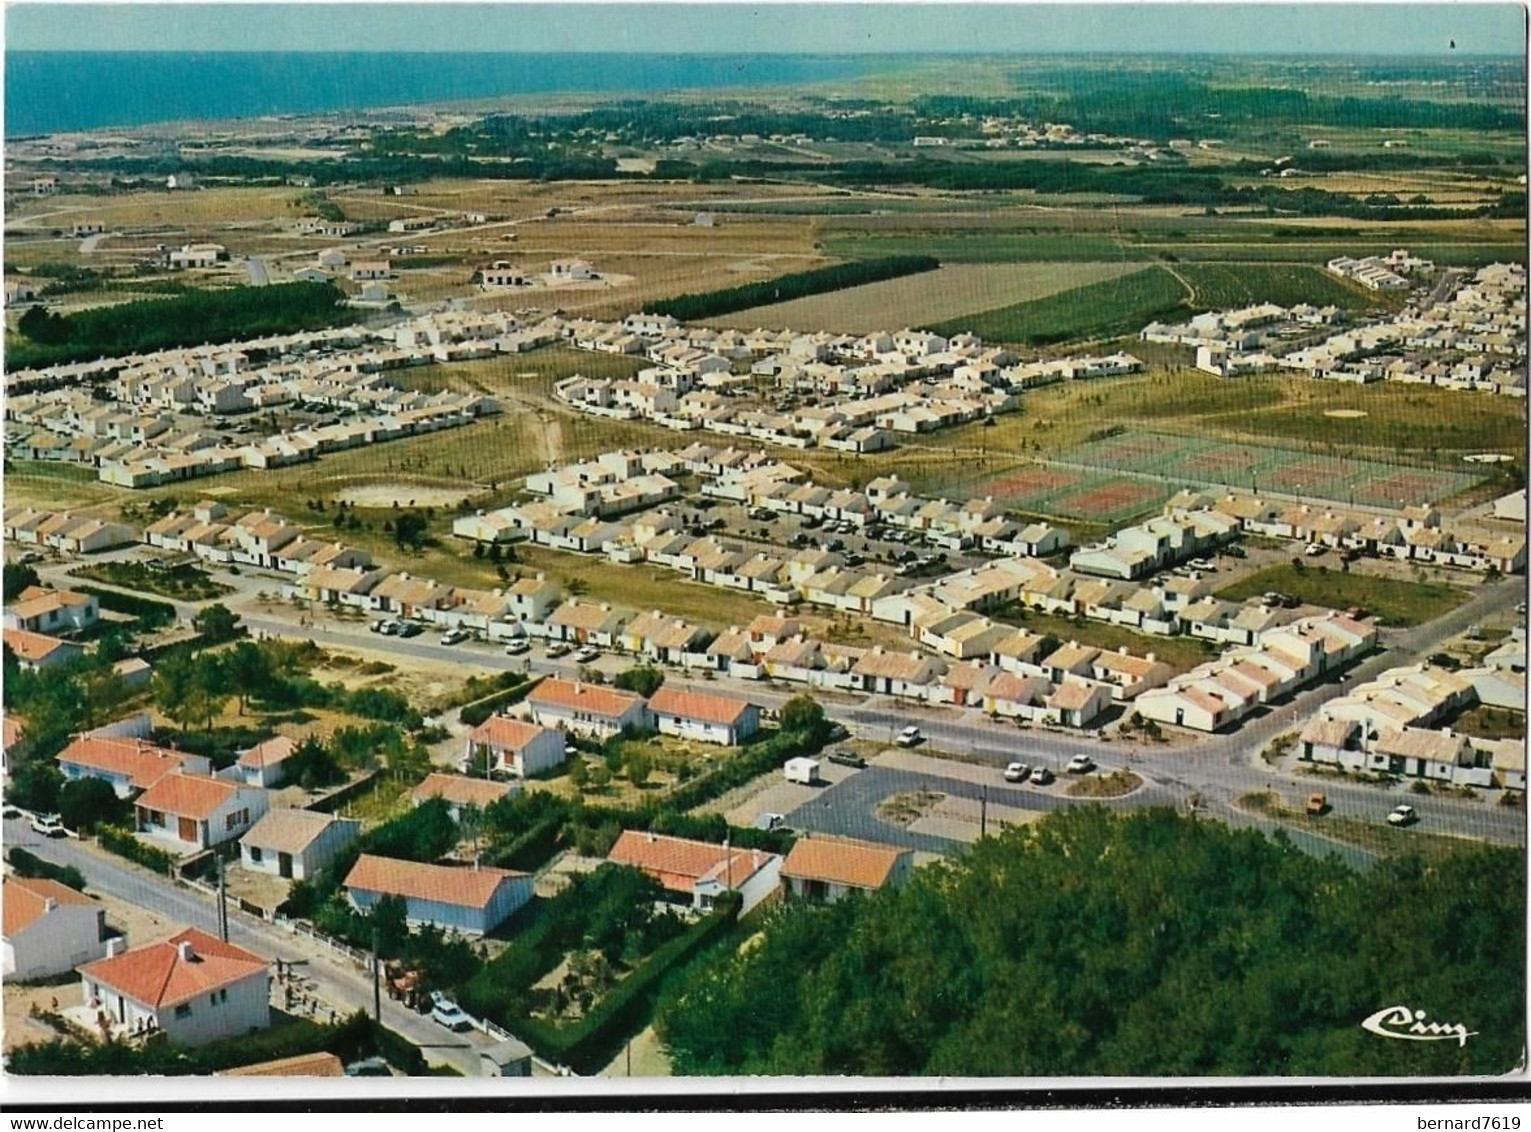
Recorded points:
1141,945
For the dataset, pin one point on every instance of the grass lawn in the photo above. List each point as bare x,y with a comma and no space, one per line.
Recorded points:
1376,837
1395,602
1112,785
387,799
1220,286
1180,653
185,583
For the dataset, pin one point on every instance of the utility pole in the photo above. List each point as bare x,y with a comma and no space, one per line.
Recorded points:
983,813
223,901
377,982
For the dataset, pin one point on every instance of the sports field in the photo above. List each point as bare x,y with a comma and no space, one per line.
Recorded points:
1184,460
1068,493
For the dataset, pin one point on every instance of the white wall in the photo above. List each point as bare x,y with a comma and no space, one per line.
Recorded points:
57,942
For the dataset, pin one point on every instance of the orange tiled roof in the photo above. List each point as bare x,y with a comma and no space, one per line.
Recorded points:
573,696
26,901
461,790
852,863
157,976
723,710
31,646
466,887
319,1064
274,750
143,763
679,863
504,734
187,795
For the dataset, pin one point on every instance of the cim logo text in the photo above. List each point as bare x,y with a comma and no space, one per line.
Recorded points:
1410,1026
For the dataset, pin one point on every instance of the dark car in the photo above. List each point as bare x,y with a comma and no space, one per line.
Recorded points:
409,629
847,758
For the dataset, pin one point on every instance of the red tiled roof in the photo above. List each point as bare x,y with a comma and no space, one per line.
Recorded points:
466,887
723,710
143,763
678,863
504,734
320,1064
26,901
157,976
590,698
187,795
461,790
852,863
30,646
277,749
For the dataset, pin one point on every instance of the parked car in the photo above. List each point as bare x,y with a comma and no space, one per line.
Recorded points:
1235,551
377,626
1315,548
518,647
1041,776
1202,564
49,825
909,737
1017,772
587,654
847,758
1402,815
409,629
1317,804
560,648
10,813
837,732
445,1012
456,636
1081,764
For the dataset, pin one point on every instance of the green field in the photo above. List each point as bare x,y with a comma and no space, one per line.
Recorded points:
1220,286
981,245
1395,602
1100,310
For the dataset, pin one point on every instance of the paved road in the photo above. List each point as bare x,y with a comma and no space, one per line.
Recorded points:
256,269
336,980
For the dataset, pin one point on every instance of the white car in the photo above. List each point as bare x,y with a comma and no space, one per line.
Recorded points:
1081,764
456,636
1202,564
587,654
1017,772
909,737
445,1012
49,825
1041,776
559,649
1402,815
518,647
1314,549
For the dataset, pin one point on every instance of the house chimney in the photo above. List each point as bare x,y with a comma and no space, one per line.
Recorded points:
1152,659
116,946
186,952
49,904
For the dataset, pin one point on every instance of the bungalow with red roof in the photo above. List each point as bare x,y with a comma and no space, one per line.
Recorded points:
129,764
193,987
34,651
188,812
704,716
39,609
459,791
515,747
472,900
824,869
699,871
589,708
49,928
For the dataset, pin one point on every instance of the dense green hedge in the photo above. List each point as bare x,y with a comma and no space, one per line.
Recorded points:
121,841
479,710
798,285
30,865
146,609
754,760
590,1043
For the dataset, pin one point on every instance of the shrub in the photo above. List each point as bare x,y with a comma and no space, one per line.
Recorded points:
478,711
119,840
30,865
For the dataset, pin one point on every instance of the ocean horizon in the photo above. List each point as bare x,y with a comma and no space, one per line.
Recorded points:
57,91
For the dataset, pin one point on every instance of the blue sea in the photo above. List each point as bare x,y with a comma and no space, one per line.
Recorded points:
52,91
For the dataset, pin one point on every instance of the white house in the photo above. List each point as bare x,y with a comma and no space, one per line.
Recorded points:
49,928
700,871
515,747
296,843
193,987
704,716
188,812
473,900
589,708
824,869
265,764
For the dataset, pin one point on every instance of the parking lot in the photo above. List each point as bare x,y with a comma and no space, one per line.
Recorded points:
872,546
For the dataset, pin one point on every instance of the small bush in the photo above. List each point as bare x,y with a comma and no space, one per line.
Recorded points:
117,839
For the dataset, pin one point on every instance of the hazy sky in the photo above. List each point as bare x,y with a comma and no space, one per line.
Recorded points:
1376,28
